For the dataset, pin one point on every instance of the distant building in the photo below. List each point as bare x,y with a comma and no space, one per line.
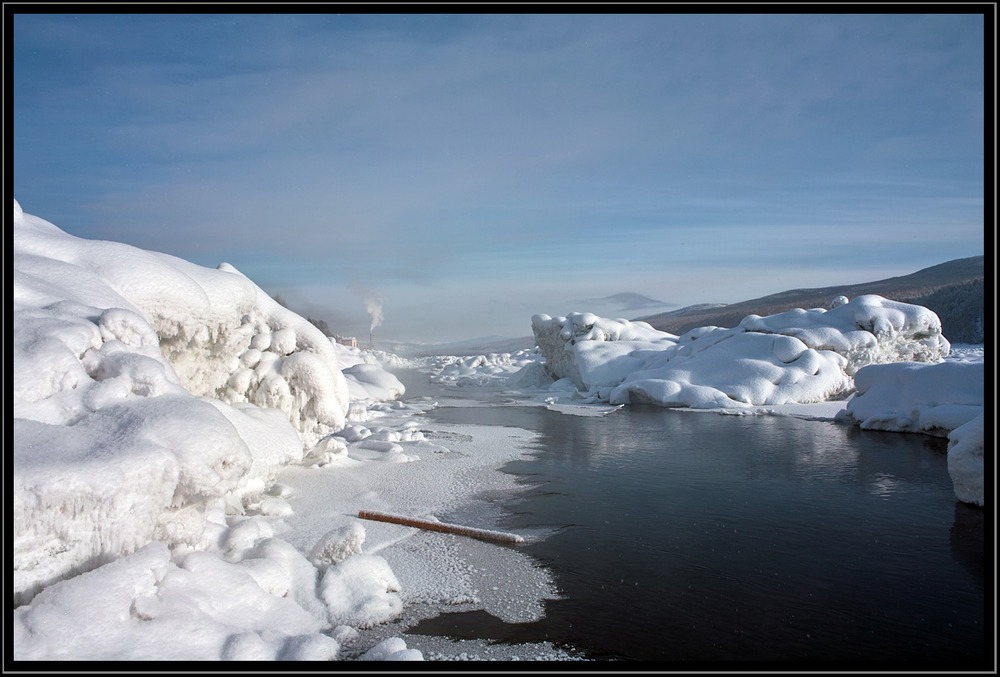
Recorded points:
349,341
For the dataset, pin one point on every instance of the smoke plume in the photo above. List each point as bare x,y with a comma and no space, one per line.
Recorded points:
373,304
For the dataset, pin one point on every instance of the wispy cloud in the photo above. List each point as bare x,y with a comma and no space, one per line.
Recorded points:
414,148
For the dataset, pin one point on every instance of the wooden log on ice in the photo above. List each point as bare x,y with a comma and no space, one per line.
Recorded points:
445,527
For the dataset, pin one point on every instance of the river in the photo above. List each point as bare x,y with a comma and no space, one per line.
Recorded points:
710,539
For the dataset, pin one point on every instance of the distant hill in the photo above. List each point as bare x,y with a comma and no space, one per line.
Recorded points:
953,290
628,301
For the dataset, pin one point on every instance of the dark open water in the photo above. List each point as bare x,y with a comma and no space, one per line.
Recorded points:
697,537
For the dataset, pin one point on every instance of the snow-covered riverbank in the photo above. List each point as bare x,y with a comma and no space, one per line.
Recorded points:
190,458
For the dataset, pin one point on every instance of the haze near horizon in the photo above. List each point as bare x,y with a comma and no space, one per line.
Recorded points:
448,176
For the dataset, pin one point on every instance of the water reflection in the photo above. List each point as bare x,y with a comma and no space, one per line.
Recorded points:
703,537
892,462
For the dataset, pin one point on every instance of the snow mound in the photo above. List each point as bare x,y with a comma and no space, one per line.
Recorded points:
799,356
914,397
593,351
256,598
361,591
190,384
371,381
965,460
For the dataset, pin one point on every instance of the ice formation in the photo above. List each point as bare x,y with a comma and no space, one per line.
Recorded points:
800,356
190,384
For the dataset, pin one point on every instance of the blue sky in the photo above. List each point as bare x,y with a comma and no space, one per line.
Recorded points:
473,170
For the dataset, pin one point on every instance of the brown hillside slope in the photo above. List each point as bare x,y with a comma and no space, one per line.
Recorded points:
954,290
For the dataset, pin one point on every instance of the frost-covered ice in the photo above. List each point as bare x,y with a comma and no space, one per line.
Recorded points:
434,570
485,369
155,404
189,456
914,397
145,389
798,356
965,460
